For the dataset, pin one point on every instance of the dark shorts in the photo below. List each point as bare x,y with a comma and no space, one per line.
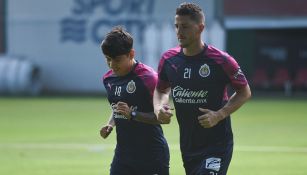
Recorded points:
214,161
122,167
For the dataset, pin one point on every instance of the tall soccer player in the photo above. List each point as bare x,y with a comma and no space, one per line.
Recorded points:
197,74
141,147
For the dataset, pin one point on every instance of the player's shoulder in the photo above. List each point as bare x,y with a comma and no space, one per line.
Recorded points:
171,53
107,75
218,55
142,69
147,75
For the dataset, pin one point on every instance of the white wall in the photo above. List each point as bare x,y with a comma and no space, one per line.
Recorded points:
63,36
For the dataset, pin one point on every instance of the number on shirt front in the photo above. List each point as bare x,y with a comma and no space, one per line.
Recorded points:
187,73
118,90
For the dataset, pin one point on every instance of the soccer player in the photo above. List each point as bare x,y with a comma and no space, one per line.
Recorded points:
141,147
197,76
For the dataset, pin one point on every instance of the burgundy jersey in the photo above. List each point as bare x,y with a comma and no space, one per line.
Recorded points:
136,141
199,81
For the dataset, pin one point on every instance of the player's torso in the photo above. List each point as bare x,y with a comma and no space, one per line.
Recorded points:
196,82
134,139
130,90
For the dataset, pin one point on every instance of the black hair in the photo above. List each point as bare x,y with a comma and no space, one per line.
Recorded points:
192,10
117,42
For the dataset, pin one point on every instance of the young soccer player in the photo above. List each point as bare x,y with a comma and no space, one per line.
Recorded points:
141,148
198,75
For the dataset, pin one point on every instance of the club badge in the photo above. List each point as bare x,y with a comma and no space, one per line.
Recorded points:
131,87
204,70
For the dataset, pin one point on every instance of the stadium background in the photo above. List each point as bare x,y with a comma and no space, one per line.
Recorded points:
54,130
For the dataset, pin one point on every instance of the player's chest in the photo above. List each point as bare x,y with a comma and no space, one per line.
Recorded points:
124,90
195,73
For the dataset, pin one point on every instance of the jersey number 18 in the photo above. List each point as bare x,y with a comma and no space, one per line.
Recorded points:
118,90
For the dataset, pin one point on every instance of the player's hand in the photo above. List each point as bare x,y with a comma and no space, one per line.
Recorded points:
209,118
124,109
164,114
105,131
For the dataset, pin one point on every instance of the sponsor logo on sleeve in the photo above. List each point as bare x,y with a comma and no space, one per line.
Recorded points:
238,74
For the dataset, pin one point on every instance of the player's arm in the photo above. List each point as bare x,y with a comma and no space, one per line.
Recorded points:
149,118
130,114
107,129
161,108
161,93
211,118
235,101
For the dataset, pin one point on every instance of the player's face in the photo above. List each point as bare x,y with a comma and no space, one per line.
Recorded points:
188,31
122,64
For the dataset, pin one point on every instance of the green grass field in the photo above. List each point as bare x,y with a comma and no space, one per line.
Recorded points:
59,136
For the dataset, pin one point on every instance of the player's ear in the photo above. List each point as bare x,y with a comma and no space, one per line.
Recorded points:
201,27
131,54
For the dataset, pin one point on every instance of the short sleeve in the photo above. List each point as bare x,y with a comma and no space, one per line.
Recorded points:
163,81
234,73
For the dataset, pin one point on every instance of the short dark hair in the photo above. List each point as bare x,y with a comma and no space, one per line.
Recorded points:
192,10
117,42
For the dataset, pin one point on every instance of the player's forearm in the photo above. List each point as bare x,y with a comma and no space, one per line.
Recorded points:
160,98
235,102
149,118
111,120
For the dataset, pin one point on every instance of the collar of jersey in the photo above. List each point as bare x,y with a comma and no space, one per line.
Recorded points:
197,56
131,72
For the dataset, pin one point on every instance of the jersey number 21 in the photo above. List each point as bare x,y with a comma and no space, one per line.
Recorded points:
187,73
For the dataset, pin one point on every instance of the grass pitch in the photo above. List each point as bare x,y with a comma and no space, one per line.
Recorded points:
60,136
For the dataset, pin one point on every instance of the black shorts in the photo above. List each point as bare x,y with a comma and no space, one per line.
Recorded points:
214,161
121,167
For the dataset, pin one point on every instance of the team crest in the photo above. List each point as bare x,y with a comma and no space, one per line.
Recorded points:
131,87
204,70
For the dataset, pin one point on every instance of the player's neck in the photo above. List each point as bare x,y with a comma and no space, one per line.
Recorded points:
130,68
194,49
133,62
